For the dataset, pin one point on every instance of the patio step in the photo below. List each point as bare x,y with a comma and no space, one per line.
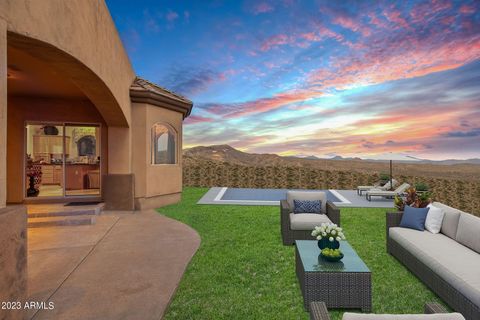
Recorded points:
50,215
42,211
80,220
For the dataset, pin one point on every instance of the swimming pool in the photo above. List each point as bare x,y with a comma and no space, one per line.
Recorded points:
247,196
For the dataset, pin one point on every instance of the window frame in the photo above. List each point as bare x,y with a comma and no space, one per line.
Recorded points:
153,143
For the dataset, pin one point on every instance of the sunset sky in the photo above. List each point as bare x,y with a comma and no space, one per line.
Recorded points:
318,78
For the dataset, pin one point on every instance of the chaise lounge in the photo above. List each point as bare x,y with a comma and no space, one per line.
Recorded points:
386,194
387,186
299,226
448,262
319,311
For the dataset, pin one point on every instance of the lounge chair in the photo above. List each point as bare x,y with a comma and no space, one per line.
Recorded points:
386,194
377,186
299,226
319,311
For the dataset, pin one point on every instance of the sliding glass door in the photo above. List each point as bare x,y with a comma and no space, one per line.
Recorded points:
82,160
62,160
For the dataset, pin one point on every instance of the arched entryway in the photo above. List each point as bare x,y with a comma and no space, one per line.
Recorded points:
53,103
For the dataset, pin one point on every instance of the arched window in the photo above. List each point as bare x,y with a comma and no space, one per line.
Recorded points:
164,144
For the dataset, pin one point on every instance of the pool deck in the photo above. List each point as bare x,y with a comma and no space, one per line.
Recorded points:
349,198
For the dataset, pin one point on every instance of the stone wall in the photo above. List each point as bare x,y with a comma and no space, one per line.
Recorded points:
13,259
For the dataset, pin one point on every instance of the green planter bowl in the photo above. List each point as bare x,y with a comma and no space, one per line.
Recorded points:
332,259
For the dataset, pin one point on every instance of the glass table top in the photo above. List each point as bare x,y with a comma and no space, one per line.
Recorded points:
312,261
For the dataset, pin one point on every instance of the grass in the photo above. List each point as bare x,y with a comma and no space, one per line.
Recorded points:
242,270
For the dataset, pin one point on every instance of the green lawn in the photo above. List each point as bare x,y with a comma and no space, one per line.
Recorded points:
242,270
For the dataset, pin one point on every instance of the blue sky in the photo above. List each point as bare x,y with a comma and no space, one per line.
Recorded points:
316,77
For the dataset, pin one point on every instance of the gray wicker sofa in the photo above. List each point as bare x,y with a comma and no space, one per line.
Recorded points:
318,311
447,262
299,226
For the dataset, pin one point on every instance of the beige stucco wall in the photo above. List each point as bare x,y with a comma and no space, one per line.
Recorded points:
3,113
154,180
85,30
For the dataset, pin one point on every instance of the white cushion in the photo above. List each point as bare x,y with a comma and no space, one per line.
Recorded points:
307,221
433,223
436,316
307,195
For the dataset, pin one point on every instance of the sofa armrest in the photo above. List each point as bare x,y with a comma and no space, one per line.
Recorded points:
333,213
285,215
434,307
392,220
318,311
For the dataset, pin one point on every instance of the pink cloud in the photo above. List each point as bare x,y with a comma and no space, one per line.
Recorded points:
262,7
275,41
349,23
395,17
406,57
268,104
424,12
466,9
171,16
321,32
197,119
379,23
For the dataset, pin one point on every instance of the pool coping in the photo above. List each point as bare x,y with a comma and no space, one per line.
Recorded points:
349,199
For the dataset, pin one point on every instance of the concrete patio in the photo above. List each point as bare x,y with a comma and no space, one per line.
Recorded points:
126,266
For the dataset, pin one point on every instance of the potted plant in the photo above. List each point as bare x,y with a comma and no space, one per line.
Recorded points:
422,187
328,235
384,178
413,199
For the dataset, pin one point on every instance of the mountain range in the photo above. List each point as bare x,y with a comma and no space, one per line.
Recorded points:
226,153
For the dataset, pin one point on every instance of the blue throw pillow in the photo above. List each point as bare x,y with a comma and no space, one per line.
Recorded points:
414,218
307,206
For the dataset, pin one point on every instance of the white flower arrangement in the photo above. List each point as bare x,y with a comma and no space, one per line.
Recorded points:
330,231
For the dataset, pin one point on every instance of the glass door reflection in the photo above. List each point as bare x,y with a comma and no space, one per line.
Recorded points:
44,160
82,160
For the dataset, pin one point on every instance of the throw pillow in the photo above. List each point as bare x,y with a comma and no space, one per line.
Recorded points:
414,218
307,206
433,222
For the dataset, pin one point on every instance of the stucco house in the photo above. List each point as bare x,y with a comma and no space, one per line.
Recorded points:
75,119
76,124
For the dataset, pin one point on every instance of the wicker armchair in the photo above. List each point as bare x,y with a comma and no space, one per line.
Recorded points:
319,311
289,236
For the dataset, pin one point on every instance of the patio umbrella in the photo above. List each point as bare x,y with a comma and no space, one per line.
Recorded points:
391,177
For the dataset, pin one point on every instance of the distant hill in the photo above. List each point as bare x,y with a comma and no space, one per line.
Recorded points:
450,169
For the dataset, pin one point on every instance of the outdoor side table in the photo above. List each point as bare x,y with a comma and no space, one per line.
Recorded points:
343,284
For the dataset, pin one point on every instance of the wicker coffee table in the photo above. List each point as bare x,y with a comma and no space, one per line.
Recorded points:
343,284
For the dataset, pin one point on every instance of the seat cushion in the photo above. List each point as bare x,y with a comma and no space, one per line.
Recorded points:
307,195
437,316
468,231
450,219
307,221
452,261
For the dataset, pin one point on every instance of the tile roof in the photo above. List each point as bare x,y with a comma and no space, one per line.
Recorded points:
144,91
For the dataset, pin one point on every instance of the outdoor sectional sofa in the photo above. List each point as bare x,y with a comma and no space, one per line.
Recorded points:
299,226
319,311
447,262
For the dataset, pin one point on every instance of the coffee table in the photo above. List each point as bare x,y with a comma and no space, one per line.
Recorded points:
343,284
